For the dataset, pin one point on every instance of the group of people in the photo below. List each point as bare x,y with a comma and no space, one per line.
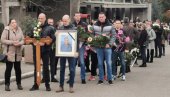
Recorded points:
122,36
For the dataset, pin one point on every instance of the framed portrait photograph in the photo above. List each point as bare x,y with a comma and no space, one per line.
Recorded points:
66,43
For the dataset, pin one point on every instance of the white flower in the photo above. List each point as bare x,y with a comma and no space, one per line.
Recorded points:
35,34
126,51
39,30
89,39
35,28
39,23
156,24
38,26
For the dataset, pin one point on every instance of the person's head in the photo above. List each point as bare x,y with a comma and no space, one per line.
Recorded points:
148,24
118,24
77,16
126,20
50,21
143,26
42,18
102,17
12,23
66,40
66,20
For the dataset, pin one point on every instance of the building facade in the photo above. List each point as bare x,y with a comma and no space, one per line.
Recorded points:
118,9
114,9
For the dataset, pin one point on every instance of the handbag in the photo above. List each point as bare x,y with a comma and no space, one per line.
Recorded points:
3,57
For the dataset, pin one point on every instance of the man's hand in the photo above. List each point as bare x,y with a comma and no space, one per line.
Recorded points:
104,34
40,43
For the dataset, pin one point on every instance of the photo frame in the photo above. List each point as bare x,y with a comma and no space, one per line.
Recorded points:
66,43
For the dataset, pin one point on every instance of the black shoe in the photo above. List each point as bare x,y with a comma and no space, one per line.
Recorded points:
68,81
150,61
110,82
19,87
42,81
143,65
48,88
7,88
54,80
100,82
83,81
34,87
87,70
61,89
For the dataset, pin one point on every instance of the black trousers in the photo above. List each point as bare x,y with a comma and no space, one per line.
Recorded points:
45,60
163,49
94,63
158,47
17,67
150,54
53,63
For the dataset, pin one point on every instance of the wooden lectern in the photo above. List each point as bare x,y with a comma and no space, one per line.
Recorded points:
47,41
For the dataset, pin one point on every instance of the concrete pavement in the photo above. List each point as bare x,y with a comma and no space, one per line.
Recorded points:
27,71
152,81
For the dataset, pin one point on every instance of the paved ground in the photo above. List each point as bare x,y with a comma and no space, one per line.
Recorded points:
152,81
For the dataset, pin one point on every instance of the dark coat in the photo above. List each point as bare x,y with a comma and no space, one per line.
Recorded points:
143,38
47,30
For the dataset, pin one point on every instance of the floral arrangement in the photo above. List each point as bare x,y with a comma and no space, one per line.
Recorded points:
120,40
129,56
82,35
98,41
37,30
156,26
166,29
91,39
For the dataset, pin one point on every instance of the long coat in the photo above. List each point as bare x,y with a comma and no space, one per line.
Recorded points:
152,37
14,53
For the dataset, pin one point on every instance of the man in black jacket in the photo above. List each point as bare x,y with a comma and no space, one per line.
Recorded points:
46,30
79,22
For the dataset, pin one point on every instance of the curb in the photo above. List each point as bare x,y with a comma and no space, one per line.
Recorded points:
13,78
23,76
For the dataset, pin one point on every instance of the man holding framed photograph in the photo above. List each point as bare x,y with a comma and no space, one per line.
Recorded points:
71,59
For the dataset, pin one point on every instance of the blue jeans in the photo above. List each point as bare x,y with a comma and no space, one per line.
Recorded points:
115,56
72,64
101,54
82,64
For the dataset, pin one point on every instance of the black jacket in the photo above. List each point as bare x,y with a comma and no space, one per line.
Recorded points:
47,30
81,23
143,38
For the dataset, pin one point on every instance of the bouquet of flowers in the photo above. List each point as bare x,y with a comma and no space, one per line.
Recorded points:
82,35
98,41
37,30
120,40
92,40
156,26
